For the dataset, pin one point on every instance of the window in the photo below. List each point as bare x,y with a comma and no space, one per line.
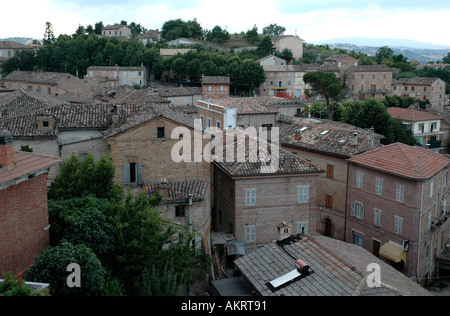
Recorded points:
161,132
132,173
429,221
209,88
303,194
357,239
180,211
250,197
359,180
400,193
250,235
208,122
421,127
302,227
431,188
45,124
330,171
398,225
377,218
379,186
328,201
357,210
221,88
218,124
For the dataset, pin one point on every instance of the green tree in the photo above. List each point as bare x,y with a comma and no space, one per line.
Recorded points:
266,47
326,84
141,237
174,29
274,30
91,229
251,74
195,29
373,113
80,176
218,34
165,282
51,267
384,52
49,35
252,35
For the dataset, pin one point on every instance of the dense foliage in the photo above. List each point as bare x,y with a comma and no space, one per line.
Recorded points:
120,241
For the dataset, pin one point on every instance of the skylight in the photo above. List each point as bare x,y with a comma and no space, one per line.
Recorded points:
324,132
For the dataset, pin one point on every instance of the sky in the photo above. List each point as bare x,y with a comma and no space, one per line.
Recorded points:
312,20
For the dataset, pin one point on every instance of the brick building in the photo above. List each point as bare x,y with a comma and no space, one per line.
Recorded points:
397,206
250,202
142,150
422,89
369,81
215,87
328,145
23,205
115,76
61,85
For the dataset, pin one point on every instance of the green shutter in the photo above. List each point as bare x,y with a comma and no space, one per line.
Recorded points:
126,173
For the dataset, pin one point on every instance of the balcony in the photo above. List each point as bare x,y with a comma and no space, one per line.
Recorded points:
374,91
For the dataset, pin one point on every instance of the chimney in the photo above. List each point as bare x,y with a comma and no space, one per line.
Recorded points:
287,159
298,135
163,189
371,138
6,150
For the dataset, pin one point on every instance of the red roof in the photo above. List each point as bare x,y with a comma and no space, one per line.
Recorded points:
26,164
411,115
403,160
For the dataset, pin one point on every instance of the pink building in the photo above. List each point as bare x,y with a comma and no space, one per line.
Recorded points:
397,207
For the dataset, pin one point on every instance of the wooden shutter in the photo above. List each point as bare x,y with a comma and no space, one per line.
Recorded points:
139,173
126,173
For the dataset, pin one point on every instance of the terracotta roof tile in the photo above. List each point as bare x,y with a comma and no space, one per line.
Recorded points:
178,191
412,115
288,164
403,160
26,164
327,137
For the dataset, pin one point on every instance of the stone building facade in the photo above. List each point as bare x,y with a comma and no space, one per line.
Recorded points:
23,206
397,207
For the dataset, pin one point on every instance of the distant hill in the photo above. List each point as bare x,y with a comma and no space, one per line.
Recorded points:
20,40
378,42
420,51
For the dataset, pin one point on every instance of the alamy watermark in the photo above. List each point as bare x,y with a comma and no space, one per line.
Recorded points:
232,145
74,278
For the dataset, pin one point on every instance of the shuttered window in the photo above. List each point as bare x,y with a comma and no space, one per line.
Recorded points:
132,173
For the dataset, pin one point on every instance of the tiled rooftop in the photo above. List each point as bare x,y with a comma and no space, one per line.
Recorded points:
420,81
369,68
149,113
402,160
288,164
12,45
339,269
215,80
37,76
178,191
249,105
67,116
412,115
327,137
27,164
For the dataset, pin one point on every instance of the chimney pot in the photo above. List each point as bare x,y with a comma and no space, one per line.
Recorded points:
6,150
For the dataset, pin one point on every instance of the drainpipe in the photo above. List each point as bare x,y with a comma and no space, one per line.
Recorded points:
420,234
346,203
